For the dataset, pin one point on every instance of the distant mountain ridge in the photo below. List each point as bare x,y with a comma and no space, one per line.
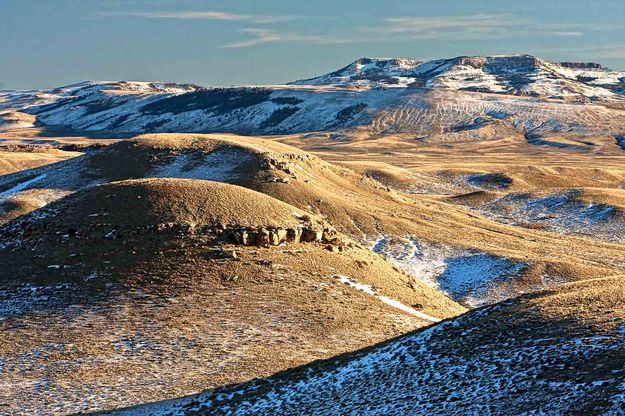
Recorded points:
377,95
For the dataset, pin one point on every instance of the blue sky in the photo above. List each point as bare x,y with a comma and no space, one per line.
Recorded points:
48,43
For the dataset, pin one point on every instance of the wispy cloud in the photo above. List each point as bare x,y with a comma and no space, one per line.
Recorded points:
202,15
405,29
429,24
395,29
260,36
476,26
387,30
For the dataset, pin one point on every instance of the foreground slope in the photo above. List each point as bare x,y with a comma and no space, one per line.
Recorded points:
150,289
558,352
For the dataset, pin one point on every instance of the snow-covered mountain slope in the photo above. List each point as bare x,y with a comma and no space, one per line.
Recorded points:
13,120
366,72
507,74
116,108
475,94
557,352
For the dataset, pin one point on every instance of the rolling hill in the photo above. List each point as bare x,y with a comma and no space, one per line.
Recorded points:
149,289
440,241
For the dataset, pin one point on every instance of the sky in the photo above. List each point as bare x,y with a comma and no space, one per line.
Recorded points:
50,43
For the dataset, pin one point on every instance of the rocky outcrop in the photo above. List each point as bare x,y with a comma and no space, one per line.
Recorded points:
306,233
263,236
473,61
285,163
581,65
516,63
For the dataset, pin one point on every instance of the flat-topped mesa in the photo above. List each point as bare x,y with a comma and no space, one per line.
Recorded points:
581,65
87,88
391,72
502,61
384,62
378,64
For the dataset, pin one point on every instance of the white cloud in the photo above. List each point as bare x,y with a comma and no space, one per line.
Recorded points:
260,36
428,24
405,29
202,15
388,30
568,33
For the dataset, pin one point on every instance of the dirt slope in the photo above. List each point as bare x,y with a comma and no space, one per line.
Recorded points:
147,289
14,160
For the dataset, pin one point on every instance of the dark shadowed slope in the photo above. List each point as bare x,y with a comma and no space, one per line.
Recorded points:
559,352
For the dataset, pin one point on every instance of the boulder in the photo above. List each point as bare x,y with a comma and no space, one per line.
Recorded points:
311,235
263,238
248,238
293,235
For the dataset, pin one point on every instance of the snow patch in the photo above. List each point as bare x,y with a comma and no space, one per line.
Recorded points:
469,276
464,275
222,165
22,185
473,365
25,298
563,213
385,299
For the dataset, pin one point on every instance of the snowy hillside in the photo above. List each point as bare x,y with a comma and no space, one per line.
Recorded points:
506,74
382,95
368,72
